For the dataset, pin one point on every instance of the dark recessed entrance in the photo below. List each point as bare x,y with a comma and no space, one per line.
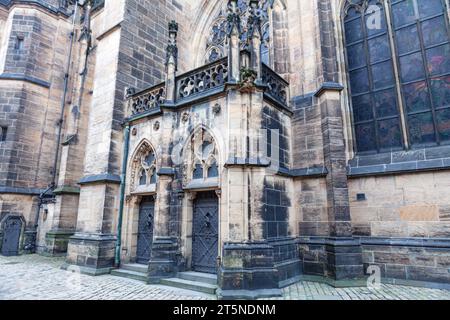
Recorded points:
145,230
11,236
205,232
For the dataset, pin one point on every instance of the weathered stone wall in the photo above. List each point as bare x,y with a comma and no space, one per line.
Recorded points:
33,49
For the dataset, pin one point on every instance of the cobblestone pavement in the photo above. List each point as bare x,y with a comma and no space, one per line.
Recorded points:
33,277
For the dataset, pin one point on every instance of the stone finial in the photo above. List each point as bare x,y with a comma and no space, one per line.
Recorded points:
173,27
233,18
254,20
171,62
234,35
172,48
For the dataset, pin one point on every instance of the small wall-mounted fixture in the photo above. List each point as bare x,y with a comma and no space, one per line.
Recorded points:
134,131
361,197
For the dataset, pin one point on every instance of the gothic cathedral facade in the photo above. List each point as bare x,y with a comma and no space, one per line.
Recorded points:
261,142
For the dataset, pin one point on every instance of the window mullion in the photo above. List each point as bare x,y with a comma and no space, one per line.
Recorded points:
395,62
370,76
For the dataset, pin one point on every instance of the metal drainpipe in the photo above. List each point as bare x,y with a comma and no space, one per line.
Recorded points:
63,100
122,194
60,122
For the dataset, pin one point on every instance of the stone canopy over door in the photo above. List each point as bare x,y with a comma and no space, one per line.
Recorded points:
205,233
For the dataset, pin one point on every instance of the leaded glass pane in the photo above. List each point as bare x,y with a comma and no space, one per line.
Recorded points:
213,170
403,13
383,75
362,108
438,60
153,178
417,97
421,128
356,56
143,178
376,23
365,137
379,49
389,133
407,40
412,67
434,31
386,103
198,172
443,124
353,31
359,81
440,89
428,8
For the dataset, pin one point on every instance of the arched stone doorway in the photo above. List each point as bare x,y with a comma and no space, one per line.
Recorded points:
12,229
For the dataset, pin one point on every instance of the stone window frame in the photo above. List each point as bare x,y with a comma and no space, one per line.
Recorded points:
140,167
220,22
398,85
196,161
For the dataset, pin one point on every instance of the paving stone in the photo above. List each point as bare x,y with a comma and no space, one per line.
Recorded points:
33,277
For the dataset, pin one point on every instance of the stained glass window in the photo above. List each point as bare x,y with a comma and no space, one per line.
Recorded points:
420,33
216,42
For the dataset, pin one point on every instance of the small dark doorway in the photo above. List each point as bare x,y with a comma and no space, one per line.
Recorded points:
205,235
11,236
145,230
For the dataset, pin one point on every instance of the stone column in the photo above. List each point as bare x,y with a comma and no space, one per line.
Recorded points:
234,48
91,249
70,168
163,262
344,253
247,267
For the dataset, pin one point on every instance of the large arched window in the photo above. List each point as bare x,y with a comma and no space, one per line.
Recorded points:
216,43
399,72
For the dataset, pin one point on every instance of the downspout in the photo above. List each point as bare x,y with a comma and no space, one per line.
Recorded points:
122,193
63,99
32,246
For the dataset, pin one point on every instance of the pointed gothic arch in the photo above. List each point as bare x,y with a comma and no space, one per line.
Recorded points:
201,156
143,166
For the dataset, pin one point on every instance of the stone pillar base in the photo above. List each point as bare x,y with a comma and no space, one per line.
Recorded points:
335,261
248,271
91,254
344,259
56,243
164,260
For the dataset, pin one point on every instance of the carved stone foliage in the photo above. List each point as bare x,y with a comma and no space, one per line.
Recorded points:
277,87
151,99
216,43
209,77
143,172
201,157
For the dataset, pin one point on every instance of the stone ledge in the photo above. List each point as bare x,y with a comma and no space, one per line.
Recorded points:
101,178
328,86
248,294
362,282
22,77
23,191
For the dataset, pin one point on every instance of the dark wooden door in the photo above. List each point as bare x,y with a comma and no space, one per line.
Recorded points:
145,231
205,233
11,236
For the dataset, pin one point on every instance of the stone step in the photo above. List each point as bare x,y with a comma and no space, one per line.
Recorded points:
129,274
136,267
190,285
198,277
